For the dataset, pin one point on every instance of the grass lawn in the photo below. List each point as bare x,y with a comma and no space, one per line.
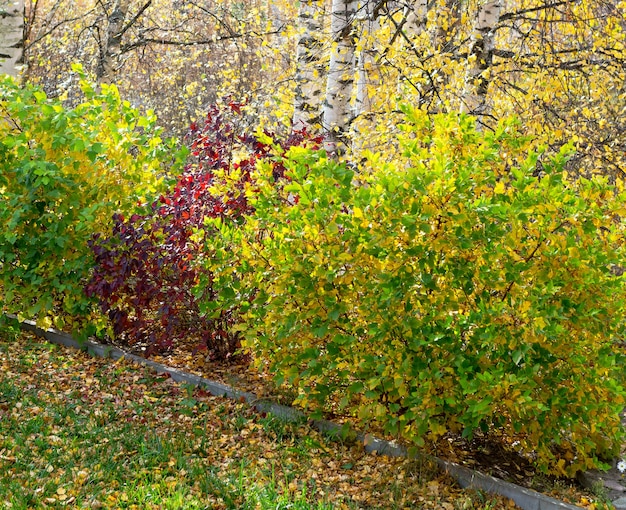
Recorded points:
83,432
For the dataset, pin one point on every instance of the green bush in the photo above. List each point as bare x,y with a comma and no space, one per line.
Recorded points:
459,286
63,173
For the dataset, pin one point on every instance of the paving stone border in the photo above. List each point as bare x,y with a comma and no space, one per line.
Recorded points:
612,481
526,499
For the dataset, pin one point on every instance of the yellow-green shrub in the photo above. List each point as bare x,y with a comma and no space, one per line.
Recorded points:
459,287
63,173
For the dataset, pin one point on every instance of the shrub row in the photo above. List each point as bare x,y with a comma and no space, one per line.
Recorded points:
463,284
460,286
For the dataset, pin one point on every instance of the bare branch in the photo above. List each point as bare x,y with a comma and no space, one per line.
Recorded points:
144,41
55,27
135,18
219,20
516,14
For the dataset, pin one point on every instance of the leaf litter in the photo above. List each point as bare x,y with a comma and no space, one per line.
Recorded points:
79,431
488,454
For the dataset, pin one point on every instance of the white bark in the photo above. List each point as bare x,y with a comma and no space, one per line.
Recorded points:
11,36
340,75
367,67
310,72
474,99
416,17
111,41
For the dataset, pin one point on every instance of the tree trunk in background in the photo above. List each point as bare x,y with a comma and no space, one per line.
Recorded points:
474,99
448,20
368,80
11,36
310,74
367,68
111,40
415,19
340,78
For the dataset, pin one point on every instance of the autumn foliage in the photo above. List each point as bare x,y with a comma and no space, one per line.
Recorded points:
463,286
147,279
63,173
453,282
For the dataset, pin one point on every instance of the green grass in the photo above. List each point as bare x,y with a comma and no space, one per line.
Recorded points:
83,432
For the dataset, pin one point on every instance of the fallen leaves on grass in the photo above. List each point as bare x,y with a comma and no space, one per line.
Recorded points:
78,431
486,453
86,432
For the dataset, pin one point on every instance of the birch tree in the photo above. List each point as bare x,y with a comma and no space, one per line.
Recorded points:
11,35
557,65
310,66
367,61
175,58
110,39
340,78
474,99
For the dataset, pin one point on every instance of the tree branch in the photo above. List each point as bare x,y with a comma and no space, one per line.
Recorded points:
219,21
511,15
135,18
58,25
144,41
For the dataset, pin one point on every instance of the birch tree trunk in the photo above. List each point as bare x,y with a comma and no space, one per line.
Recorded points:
416,16
367,68
11,36
368,80
341,73
474,99
111,41
310,66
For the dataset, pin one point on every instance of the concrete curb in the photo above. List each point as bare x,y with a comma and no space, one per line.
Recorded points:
526,499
